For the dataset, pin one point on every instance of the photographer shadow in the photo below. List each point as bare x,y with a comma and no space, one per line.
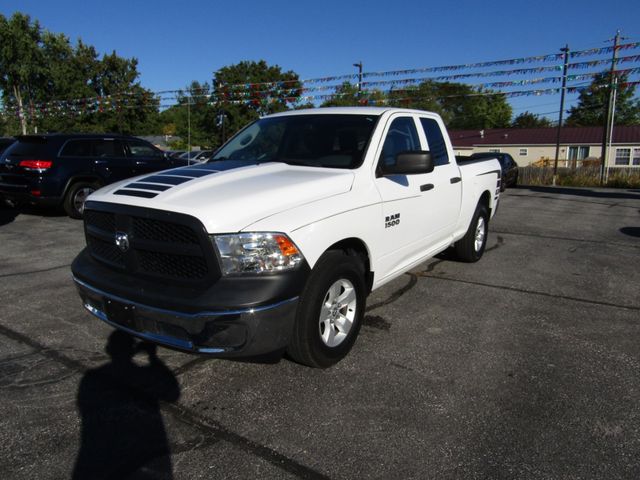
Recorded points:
123,433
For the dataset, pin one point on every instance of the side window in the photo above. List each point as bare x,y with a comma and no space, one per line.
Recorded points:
401,137
437,145
107,148
138,148
76,148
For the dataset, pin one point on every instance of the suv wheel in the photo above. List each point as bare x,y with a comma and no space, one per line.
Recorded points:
76,196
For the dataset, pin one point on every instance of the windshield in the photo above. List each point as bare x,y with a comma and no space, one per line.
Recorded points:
324,140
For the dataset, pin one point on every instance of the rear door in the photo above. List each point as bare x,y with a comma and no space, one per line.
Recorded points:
110,161
443,205
144,157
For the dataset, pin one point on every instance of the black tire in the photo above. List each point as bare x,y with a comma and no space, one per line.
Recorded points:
467,250
74,200
503,184
515,181
311,338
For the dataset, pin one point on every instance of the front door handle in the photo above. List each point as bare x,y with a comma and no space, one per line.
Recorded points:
455,180
426,187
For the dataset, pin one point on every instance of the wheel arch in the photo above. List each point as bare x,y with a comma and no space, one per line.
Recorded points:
485,199
357,247
92,178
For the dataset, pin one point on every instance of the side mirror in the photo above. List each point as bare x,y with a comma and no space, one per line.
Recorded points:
410,163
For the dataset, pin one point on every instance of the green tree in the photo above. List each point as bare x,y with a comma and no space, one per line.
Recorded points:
193,116
530,120
247,90
590,110
20,62
461,106
347,95
54,86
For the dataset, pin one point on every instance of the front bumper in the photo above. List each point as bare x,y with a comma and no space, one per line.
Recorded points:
228,333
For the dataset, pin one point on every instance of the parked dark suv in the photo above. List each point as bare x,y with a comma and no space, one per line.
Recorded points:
57,169
5,143
509,167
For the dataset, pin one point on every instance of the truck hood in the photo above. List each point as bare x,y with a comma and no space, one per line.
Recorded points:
227,196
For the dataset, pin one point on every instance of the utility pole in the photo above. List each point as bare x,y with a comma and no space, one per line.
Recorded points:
608,127
564,50
189,129
359,65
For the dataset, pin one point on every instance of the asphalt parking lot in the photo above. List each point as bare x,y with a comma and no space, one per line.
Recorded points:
524,365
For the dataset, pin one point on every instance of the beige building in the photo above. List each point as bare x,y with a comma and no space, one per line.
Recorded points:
537,146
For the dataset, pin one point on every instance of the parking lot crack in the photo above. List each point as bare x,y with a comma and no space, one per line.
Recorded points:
568,239
31,272
532,292
413,280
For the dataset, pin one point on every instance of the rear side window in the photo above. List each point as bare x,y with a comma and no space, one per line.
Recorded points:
138,148
76,148
437,145
107,148
36,147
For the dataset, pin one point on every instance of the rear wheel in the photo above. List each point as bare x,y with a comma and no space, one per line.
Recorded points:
330,311
471,247
76,196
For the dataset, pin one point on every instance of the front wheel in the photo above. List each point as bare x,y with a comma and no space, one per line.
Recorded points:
330,311
471,247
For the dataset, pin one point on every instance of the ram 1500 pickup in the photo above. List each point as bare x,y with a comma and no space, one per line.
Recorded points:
275,243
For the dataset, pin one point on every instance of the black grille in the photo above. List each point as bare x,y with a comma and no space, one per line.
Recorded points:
106,251
101,220
170,265
175,249
162,231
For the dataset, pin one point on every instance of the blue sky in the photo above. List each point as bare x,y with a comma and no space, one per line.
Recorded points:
176,42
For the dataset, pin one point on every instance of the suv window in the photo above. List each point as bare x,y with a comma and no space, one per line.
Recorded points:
5,143
30,147
437,145
138,148
401,137
107,148
76,148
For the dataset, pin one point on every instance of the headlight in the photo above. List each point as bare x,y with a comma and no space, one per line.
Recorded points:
253,253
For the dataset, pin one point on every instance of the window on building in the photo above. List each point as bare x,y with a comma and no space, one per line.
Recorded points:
623,155
523,152
636,157
578,153
494,150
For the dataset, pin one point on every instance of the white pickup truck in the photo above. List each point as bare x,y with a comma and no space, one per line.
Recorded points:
276,242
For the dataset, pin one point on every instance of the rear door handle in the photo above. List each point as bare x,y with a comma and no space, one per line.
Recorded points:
426,187
455,180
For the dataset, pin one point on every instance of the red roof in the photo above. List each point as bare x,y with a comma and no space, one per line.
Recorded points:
542,136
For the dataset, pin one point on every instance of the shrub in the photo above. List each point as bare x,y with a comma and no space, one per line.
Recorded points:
585,176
